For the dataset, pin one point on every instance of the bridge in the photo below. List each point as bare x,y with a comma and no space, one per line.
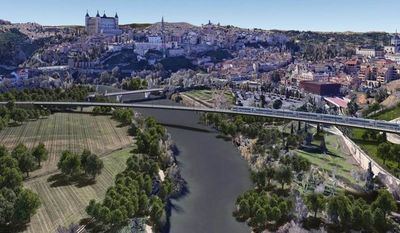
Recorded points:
337,120
122,93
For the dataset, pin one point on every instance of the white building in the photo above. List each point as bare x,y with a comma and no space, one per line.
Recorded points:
369,52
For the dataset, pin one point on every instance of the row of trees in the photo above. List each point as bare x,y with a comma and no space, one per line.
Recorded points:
134,194
259,209
17,204
135,84
346,212
123,115
27,160
72,165
74,93
388,151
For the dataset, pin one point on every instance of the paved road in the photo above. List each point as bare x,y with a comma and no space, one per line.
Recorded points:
383,126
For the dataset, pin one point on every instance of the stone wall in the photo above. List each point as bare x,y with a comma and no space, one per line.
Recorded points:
363,160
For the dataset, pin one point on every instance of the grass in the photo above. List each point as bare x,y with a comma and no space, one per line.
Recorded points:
207,95
67,131
389,114
370,147
336,161
64,205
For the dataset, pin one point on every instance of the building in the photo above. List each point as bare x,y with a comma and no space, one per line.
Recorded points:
102,24
321,88
369,52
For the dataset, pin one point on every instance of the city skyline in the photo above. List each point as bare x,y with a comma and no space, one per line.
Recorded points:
314,15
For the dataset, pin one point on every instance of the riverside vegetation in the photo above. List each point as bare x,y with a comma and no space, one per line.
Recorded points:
279,200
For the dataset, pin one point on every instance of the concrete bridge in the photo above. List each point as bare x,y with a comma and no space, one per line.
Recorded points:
337,120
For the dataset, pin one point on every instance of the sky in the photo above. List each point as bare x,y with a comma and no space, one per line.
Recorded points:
315,15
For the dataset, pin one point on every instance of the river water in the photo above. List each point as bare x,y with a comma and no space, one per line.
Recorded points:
213,169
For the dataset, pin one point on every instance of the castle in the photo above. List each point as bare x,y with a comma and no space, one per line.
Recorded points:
102,24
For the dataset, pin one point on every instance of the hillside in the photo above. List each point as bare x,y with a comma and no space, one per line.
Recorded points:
15,47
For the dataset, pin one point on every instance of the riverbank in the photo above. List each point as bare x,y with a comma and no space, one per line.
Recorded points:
214,171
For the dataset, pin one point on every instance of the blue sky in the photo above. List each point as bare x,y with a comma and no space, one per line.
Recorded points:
317,15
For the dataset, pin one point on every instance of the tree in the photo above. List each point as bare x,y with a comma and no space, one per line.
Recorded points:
339,209
284,175
117,218
277,104
3,151
269,174
11,178
367,219
352,107
84,158
379,220
322,145
26,163
93,166
40,153
26,205
383,151
19,151
69,163
357,217
315,202
395,154
105,215
385,202
7,202
19,115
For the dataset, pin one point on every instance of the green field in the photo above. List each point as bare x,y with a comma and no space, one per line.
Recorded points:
67,131
207,96
370,147
389,114
63,205
337,161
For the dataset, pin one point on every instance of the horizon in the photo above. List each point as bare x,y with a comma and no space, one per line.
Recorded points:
316,15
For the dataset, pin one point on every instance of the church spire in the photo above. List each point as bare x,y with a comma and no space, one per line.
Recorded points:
98,14
116,15
87,13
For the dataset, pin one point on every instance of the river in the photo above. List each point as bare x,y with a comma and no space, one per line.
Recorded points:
214,171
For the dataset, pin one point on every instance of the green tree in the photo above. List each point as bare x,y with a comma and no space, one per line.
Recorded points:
117,218
19,115
26,163
84,158
315,202
277,104
284,175
93,166
3,151
383,151
69,163
385,202
19,151
26,205
11,178
40,153
379,220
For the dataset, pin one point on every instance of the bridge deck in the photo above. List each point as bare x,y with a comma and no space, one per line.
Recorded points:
383,126
133,92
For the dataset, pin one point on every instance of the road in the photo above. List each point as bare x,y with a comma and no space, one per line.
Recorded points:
336,120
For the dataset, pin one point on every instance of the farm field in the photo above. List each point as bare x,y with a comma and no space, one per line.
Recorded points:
67,131
65,204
